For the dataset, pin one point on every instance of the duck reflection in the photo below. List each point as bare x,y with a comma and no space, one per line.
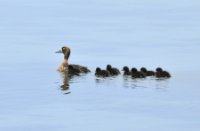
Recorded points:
68,78
65,86
68,71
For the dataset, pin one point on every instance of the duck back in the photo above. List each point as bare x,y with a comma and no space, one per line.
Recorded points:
78,68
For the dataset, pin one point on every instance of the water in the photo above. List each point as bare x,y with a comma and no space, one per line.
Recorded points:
133,33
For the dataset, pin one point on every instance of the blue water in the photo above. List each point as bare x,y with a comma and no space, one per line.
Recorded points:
134,33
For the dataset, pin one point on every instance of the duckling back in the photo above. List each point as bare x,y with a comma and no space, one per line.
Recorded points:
113,71
160,73
136,74
101,73
147,72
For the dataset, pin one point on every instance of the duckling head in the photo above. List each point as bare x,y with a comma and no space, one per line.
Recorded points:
143,69
98,69
109,67
133,70
159,69
125,68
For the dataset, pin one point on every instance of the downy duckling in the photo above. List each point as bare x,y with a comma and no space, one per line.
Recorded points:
160,73
113,71
147,72
136,74
126,70
101,73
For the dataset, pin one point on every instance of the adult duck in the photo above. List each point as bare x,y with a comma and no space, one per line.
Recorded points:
70,68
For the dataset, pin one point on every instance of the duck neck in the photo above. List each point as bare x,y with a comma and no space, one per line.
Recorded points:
67,54
65,63
66,57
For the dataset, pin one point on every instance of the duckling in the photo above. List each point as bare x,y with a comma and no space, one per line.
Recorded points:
147,72
166,74
136,74
126,70
113,71
65,66
160,73
101,73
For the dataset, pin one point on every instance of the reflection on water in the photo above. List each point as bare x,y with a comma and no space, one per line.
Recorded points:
65,86
68,79
161,83
114,81
129,32
132,83
129,82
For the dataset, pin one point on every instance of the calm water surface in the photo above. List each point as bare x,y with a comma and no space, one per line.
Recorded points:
129,32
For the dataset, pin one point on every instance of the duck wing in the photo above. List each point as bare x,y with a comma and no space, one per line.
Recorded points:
78,68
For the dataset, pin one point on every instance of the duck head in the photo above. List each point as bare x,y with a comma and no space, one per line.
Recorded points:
159,69
143,69
125,68
108,67
66,51
134,70
98,69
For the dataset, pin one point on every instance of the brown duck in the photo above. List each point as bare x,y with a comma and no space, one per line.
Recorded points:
70,68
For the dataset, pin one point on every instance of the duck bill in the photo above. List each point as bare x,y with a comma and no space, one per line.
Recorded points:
59,51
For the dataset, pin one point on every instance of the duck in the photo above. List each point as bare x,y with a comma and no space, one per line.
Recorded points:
136,74
147,72
70,68
101,73
160,73
113,71
126,71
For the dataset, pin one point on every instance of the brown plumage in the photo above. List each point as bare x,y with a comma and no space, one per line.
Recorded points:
101,73
136,74
126,70
147,72
113,71
70,68
160,73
